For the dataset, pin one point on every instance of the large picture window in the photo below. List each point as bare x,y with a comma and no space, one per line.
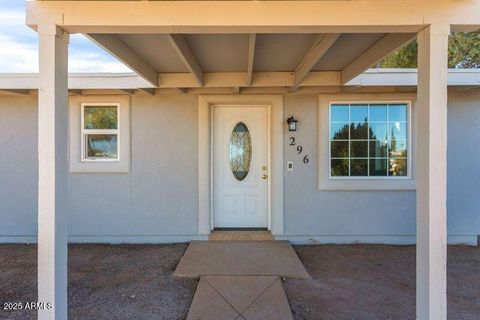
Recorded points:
100,133
369,140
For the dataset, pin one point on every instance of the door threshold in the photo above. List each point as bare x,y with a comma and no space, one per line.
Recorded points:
240,229
241,235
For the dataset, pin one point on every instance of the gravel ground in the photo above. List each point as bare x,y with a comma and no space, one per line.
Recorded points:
351,282
365,282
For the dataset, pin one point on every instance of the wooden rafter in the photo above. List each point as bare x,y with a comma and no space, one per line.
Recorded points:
382,48
180,45
317,51
119,49
251,54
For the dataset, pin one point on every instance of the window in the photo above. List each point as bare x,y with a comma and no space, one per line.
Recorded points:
100,133
369,140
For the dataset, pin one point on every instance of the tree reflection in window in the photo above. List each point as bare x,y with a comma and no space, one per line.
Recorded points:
368,140
240,151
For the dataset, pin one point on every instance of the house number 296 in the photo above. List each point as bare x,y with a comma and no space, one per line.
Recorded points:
299,149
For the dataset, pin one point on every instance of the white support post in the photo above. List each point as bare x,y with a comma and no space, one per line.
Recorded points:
52,171
431,163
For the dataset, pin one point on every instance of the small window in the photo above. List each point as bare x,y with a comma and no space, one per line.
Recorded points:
369,140
100,133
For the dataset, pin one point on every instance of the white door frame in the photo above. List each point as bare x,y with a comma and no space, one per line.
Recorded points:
206,103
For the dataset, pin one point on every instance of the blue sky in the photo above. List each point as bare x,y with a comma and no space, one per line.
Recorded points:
19,46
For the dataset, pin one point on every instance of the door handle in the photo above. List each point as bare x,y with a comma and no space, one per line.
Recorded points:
264,176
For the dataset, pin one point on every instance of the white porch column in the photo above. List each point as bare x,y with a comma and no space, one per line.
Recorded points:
52,171
432,173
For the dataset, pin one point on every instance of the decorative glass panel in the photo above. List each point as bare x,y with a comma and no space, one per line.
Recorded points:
240,151
100,117
369,140
103,146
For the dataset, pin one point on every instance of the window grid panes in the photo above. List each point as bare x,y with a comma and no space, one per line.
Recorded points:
368,139
100,133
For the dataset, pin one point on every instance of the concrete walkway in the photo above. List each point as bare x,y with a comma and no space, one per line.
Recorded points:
240,280
240,298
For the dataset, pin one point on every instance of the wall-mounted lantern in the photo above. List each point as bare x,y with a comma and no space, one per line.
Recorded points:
292,124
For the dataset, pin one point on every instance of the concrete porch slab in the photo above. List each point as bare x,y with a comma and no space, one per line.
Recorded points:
240,258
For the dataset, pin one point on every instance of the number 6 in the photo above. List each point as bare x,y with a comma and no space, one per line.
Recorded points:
305,159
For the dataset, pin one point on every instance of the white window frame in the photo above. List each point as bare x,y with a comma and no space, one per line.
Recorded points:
84,132
369,102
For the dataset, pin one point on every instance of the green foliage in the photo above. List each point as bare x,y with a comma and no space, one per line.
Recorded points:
463,52
100,117
403,58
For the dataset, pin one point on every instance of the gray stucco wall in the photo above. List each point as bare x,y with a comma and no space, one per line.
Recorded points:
463,163
18,166
158,199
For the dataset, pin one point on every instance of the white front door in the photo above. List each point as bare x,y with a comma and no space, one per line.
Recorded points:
240,167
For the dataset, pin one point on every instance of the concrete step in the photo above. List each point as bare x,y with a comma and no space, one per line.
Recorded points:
240,235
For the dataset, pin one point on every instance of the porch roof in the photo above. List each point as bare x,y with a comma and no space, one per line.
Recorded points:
242,44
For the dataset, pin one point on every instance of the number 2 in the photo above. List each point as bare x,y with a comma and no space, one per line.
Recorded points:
292,141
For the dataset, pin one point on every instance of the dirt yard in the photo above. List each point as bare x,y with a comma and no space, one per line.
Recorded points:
365,282
356,282
105,282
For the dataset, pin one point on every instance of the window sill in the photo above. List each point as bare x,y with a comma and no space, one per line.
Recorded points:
369,184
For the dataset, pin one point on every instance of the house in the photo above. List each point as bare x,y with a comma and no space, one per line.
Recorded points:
199,139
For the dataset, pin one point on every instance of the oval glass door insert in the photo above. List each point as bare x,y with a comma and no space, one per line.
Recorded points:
240,151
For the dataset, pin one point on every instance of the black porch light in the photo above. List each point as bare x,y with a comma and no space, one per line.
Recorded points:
292,124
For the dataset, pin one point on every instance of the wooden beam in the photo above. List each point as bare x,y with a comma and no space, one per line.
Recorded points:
181,90
150,91
180,45
20,92
317,51
252,16
119,49
382,48
127,91
237,79
75,92
251,54
236,90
